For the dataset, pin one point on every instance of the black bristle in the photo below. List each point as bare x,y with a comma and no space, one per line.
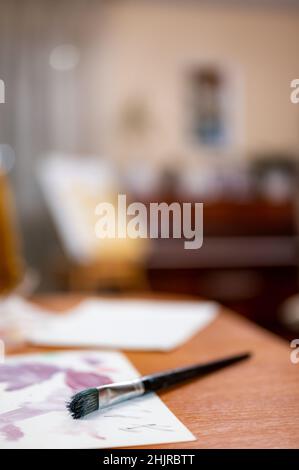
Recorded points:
83,403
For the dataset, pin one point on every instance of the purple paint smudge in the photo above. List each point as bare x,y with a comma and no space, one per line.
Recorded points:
8,421
92,361
80,380
24,375
12,432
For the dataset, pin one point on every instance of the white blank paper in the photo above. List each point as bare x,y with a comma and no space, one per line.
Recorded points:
125,324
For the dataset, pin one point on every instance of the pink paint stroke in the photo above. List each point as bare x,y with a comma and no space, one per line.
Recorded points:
20,376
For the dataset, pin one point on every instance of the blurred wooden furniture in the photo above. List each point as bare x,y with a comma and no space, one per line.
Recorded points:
102,276
249,405
11,263
248,260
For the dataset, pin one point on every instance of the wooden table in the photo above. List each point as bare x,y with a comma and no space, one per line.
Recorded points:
254,404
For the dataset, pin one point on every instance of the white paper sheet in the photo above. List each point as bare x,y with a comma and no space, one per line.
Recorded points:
125,324
35,388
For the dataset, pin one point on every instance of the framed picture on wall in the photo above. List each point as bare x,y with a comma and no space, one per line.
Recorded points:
213,105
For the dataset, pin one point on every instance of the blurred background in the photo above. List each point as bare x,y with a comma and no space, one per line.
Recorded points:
162,100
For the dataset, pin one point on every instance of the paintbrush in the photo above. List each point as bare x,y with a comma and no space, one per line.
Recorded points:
92,399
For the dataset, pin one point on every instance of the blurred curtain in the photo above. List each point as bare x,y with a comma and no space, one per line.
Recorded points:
45,109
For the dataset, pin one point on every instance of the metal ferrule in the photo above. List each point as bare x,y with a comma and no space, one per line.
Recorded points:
116,393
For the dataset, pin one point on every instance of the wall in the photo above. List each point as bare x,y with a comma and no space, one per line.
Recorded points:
147,45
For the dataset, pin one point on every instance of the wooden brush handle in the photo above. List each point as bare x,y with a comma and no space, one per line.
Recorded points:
166,379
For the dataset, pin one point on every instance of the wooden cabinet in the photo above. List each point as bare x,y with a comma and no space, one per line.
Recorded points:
248,260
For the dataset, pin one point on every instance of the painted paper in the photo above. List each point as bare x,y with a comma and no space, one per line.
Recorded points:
34,391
